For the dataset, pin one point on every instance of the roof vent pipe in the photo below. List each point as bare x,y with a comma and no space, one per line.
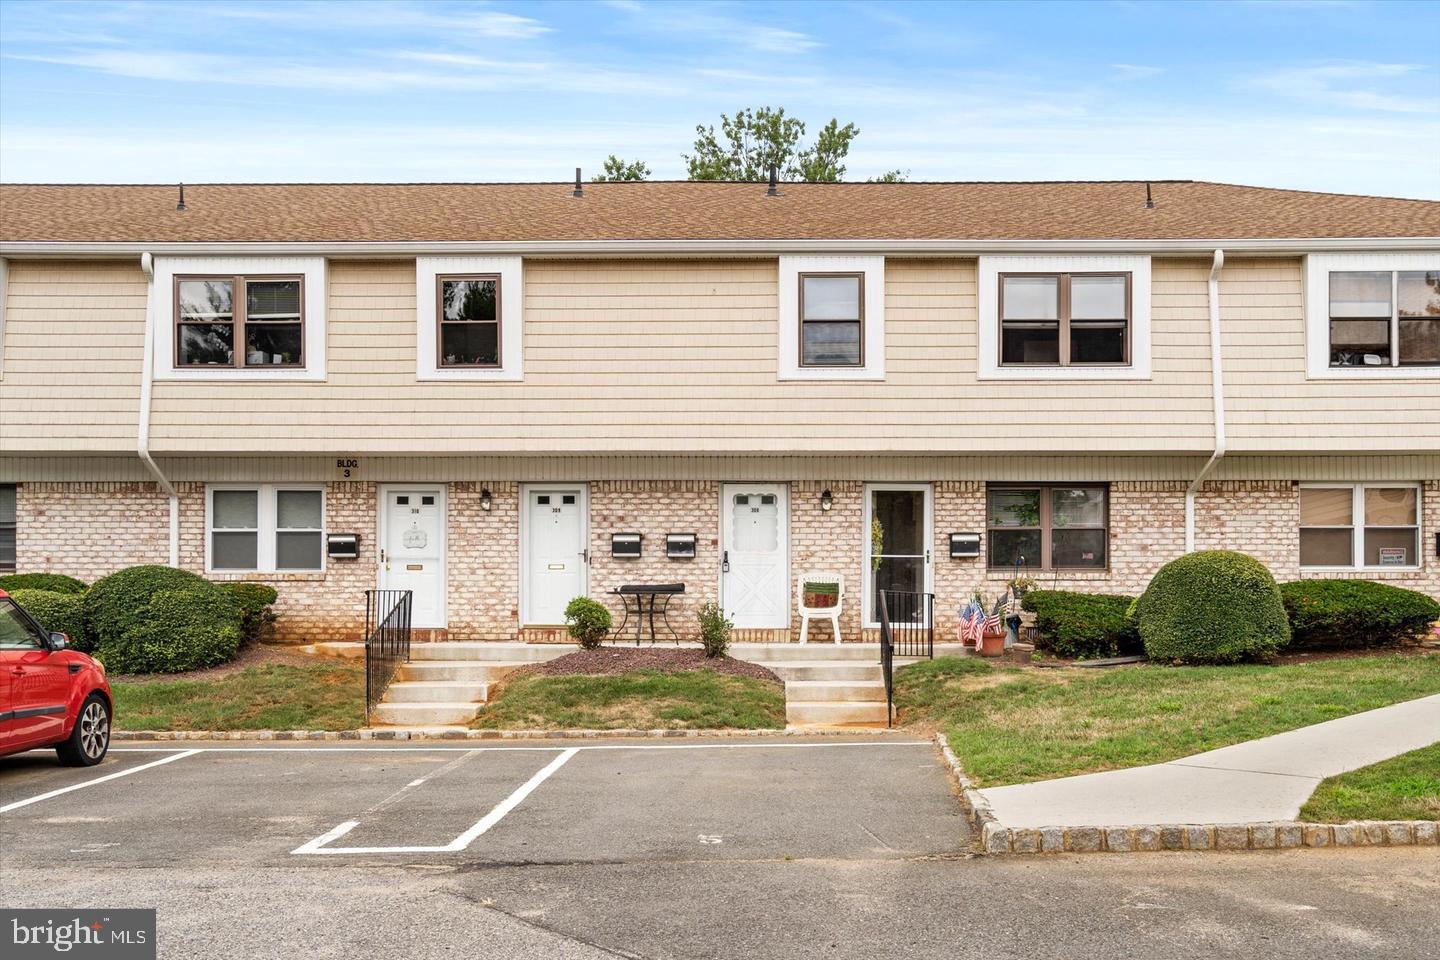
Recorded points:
181,205
774,189
1149,200
579,190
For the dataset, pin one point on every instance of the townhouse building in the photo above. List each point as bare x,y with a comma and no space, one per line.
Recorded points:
503,396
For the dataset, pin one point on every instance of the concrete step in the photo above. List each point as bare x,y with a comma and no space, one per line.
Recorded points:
834,691
442,691
774,652
423,714
481,650
467,671
788,670
835,714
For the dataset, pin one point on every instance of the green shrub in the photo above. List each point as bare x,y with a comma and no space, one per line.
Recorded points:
1082,625
1346,614
160,619
588,621
54,582
62,612
254,601
1214,606
715,629
175,630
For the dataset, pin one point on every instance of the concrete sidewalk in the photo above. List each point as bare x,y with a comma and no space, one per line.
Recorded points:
1266,779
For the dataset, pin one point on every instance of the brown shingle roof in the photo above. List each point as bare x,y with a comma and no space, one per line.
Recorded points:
509,212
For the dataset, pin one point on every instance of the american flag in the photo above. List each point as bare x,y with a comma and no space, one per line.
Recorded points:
972,623
992,623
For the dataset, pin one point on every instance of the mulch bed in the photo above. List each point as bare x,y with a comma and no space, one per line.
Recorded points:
613,660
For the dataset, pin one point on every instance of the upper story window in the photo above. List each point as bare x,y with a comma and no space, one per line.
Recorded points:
469,318
832,319
1080,317
1372,316
1064,319
239,321
239,318
1384,318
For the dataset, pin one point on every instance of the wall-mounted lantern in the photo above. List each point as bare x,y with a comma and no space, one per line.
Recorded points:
625,545
827,500
964,544
486,500
680,546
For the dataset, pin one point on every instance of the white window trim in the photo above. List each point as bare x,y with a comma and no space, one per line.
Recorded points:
988,366
162,307
266,518
1357,528
1318,267
873,269
512,296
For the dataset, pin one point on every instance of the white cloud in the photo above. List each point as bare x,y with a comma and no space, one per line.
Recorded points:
1358,85
1135,71
696,23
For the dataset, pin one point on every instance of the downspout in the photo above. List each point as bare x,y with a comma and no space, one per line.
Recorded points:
1217,389
147,378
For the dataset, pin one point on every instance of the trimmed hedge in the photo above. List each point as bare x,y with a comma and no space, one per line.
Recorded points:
588,621
155,619
53,582
1214,606
62,612
1085,626
254,601
1352,614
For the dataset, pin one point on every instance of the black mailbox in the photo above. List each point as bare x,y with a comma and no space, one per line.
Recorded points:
625,545
343,546
964,544
680,546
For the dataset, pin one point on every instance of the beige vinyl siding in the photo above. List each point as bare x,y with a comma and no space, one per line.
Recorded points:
1272,406
74,343
637,356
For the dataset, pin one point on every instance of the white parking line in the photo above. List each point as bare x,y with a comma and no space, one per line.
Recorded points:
90,783
320,845
542,749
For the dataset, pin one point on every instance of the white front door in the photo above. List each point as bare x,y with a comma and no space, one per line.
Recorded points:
412,549
899,524
553,552
755,564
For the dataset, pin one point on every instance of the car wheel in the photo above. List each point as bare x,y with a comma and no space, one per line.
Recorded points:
90,740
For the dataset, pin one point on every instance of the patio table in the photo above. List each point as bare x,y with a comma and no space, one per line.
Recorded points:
643,597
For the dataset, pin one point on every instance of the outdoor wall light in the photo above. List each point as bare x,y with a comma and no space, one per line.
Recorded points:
827,500
486,500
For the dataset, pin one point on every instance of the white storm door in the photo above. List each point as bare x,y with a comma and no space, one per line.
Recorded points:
412,550
554,552
755,564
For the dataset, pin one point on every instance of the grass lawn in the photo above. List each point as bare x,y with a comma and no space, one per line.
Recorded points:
1016,725
640,699
275,696
1406,787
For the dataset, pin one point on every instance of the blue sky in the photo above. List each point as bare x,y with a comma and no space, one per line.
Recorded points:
1341,95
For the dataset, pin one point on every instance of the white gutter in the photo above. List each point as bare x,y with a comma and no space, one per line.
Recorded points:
1217,390
147,379
708,248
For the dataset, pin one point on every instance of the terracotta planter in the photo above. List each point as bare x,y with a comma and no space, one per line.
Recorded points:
993,644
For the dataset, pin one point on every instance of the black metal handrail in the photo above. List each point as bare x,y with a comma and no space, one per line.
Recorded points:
912,622
887,660
387,641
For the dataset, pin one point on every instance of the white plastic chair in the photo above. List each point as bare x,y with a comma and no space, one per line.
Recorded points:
819,613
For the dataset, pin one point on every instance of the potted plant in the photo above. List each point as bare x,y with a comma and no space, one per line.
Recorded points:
992,638
1020,584
820,595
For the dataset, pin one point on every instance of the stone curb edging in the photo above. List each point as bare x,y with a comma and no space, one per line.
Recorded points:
995,838
370,733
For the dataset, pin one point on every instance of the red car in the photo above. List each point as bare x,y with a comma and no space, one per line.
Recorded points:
50,696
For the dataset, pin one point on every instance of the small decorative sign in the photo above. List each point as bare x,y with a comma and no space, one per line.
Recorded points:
1393,557
414,538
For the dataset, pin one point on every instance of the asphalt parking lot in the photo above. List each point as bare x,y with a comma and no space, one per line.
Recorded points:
714,849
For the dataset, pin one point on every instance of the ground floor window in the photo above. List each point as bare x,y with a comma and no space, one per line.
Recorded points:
265,528
7,528
1359,525
1048,527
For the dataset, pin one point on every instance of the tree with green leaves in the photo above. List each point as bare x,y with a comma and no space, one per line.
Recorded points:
620,171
